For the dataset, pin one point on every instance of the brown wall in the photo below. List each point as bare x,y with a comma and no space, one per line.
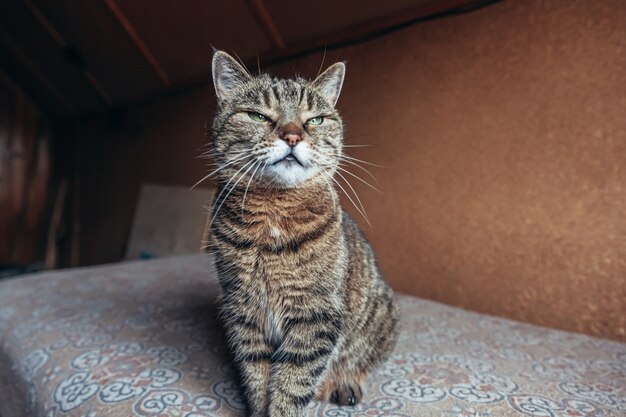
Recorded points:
505,135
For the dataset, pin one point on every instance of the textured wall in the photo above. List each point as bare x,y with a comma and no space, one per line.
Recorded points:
505,135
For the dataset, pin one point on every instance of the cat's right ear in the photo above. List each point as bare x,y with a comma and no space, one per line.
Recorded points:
330,81
227,74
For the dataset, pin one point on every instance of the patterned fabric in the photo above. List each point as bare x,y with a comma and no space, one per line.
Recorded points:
141,339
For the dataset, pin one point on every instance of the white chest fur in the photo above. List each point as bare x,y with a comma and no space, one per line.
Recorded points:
275,232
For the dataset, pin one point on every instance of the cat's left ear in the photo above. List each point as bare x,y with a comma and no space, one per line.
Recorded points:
330,81
227,74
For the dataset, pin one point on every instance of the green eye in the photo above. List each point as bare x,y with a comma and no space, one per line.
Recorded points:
258,117
315,121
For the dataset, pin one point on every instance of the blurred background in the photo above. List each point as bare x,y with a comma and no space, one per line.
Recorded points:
500,124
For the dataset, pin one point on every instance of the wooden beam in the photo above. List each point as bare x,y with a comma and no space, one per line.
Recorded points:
45,23
138,41
37,73
262,13
95,84
52,251
349,36
17,89
339,39
76,197
367,30
59,40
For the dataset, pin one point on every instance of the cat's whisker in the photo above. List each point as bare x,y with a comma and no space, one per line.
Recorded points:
360,167
236,159
351,200
231,190
330,188
214,153
206,177
319,71
360,179
243,202
215,159
210,174
230,180
205,147
329,163
362,161
355,193
242,64
356,146
208,154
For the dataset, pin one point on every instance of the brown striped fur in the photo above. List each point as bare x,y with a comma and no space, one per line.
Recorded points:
306,311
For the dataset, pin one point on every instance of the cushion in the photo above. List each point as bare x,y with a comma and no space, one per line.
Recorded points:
141,339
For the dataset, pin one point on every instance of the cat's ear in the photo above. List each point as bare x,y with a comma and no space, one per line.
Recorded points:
227,74
330,81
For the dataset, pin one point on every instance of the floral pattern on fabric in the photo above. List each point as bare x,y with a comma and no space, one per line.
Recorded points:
142,339
118,373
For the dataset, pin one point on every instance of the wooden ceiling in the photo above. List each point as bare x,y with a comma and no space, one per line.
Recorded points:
75,58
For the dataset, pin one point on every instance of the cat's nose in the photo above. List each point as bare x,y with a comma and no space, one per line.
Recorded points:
292,139
291,133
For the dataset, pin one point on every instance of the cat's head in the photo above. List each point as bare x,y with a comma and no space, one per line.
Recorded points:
284,132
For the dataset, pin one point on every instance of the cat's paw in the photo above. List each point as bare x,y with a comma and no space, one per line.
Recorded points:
347,394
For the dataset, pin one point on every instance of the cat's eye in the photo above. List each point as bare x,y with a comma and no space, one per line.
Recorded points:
315,121
258,117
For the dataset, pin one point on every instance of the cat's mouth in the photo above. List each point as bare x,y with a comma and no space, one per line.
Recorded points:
289,159
290,168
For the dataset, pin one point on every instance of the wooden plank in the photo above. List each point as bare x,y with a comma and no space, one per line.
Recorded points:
138,41
37,72
76,195
59,40
52,252
262,13
364,31
345,37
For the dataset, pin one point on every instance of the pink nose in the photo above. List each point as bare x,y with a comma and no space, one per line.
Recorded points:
291,133
292,139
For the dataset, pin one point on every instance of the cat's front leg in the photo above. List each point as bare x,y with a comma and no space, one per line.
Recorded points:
252,355
301,361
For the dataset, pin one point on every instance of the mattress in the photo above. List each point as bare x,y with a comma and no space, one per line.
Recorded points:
141,339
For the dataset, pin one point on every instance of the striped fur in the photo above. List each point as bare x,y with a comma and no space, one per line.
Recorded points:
306,311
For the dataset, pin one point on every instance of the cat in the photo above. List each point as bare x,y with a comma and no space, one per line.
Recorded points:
305,309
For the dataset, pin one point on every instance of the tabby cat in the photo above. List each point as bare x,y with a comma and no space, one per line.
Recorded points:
307,313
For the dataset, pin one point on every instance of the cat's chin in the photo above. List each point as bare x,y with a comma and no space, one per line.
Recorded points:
289,174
